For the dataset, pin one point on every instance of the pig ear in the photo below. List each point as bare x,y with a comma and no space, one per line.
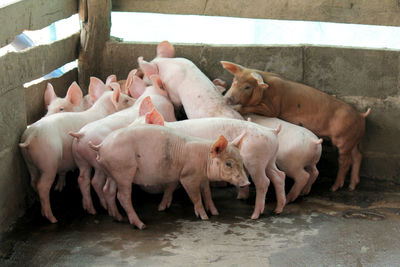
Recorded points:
220,84
136,86
111,78
74,94
165,49
259,80
219,146
232,67
238,141
158,84
146,106
96,88
154,117
116,95
147,67
49,94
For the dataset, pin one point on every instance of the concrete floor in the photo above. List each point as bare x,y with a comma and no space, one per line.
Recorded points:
360,228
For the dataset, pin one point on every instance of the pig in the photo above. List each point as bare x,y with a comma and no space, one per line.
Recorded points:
47,147
298,154
299,151
187,86
74,100
153,154
85,158
258,150
70,103
271,95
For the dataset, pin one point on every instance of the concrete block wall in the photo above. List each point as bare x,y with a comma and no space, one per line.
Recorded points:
13,177
361,77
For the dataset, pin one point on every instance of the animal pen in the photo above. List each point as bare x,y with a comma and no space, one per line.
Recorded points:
323,228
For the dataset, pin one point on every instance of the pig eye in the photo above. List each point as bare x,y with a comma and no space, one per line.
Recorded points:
62,109
247,87
228,164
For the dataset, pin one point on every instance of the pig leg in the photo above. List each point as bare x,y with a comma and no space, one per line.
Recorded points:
192,187
43,187
167,196
84,185
278,180
208,201
313,171
261,182
98,181
60,182
300,180
124,197
110,191
344,165
124,181
355,168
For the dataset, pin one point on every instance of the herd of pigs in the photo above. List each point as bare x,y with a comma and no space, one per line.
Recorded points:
126,132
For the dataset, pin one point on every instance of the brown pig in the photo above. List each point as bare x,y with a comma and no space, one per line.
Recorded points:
269,94
151,155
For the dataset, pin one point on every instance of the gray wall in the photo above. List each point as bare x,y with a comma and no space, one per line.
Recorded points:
362,77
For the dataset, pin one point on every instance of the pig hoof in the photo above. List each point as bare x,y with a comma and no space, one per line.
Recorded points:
161,208
352,188
52,219
141,226
255,216
204,217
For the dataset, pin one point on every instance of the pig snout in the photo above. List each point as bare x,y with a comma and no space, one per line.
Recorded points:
241,180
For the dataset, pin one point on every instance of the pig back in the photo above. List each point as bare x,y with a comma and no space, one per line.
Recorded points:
155,152
187,85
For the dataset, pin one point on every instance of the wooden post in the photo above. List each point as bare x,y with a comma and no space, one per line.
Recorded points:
95,16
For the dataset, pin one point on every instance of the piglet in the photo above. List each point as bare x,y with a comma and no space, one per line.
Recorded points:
74,100
152,155
96,131
70,103
259,148
187,85
298,154
271,95
47,147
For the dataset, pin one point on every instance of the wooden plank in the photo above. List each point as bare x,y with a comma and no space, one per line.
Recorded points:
32,15
95,33
18,68
34,94
383,12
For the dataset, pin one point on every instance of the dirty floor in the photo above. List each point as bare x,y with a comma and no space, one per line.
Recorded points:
360,228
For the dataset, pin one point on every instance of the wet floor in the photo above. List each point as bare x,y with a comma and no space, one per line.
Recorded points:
360,228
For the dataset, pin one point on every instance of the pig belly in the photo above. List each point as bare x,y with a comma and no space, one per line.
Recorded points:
155,177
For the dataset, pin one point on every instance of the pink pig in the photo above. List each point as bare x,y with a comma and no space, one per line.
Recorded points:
259,148
152,155
187,86
299,152
85,158
74,100
47,147
70,103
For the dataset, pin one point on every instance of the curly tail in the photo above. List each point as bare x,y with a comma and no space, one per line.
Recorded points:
366,113
278,129
94,147
76,135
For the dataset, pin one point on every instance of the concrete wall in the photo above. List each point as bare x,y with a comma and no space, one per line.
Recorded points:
362,77
13,176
